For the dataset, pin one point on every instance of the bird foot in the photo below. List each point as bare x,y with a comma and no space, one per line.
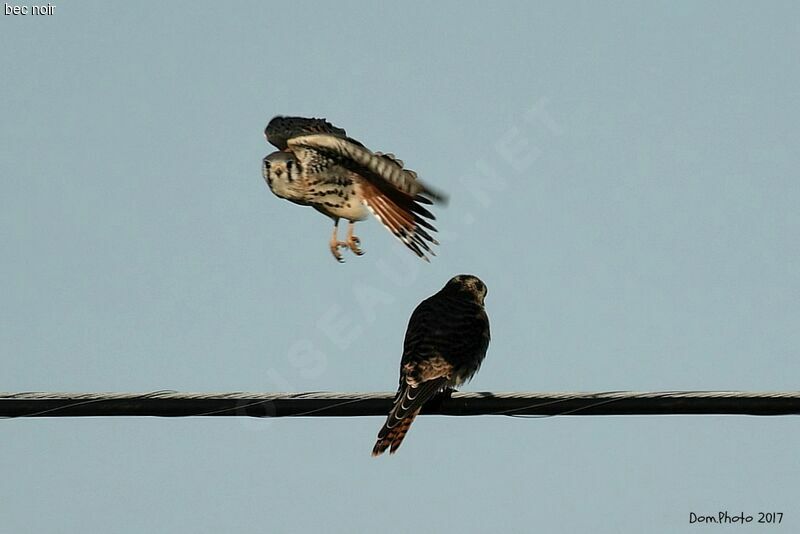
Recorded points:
335,246
353,244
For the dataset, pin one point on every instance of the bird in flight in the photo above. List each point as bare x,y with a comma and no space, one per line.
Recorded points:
318,165
446,342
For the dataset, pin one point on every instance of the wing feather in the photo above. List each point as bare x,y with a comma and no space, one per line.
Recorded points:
281,129
378,169
394,211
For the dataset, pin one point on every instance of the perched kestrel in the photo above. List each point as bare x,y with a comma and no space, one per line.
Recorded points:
446,341
317,165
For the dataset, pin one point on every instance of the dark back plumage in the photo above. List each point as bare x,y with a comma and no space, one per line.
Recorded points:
445,343
452,324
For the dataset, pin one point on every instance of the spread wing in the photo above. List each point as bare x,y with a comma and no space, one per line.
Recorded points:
391,192
281,129
384,170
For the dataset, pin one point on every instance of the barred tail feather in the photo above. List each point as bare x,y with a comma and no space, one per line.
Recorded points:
407,405
392,438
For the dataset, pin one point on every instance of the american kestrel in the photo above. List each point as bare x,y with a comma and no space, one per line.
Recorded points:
317,165
445,344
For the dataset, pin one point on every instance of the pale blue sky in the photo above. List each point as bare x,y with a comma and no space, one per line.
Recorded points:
623,176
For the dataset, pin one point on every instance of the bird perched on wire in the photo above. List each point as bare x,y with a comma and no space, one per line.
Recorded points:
317,165
446,341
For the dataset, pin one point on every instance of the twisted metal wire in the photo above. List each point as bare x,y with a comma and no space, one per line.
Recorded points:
333,404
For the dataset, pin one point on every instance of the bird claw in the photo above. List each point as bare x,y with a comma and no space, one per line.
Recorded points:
353,244
335,246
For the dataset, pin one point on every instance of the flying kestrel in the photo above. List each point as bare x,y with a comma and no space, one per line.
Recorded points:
317,165
445,343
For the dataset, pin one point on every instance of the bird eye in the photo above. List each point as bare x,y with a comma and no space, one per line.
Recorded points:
265,172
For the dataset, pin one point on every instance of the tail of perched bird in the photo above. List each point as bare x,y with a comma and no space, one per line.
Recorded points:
391,437
406,407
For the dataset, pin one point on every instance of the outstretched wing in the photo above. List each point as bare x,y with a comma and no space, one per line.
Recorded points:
384,170
391,192
281,129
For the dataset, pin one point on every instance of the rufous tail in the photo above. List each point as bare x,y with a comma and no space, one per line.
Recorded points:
392,438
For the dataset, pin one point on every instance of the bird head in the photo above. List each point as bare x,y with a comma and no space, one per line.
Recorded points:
281,172
470,284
